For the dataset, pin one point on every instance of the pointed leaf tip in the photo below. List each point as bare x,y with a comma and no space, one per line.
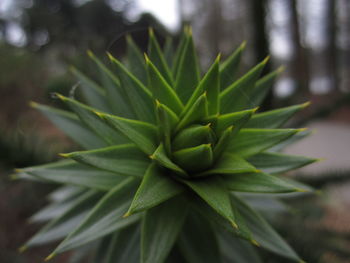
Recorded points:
243,45
109,55
235,226
64,155
302,129
22,249
255,243
306,104
127,214
90,53
33,104
281,69
266,59
49,257
148,61
302,190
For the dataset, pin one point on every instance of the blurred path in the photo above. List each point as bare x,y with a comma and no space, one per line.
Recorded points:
330,141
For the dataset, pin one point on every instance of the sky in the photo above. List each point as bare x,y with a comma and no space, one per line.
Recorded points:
167,11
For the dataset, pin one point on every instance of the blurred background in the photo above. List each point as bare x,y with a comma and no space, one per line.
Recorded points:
40,39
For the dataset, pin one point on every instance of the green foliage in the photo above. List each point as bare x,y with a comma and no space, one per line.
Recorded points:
169,150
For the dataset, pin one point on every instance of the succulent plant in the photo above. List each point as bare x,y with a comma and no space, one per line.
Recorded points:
168,155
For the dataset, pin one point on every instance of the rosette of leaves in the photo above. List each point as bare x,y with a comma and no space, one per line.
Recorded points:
168,152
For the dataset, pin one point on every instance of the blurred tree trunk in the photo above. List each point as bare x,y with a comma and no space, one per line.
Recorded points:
331,50
299,63
260,44
343,41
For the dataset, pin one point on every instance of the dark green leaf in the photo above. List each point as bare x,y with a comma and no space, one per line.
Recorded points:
88,116
167,120
277,162
156,55
263,232
161,90
94,95
197,241
223,142
231,164
236,249
156,187
237,96
143,134
209,84
197,113
125,159
179,52
124,246
67,221
136,61
160,229
169,51
229,68
194,159
58,207
117,98
303,133
274,118
193,136
187,75
138,96
258,183
213,191
105,217
71,172
249,142
71,126
237,119
160,156
263,86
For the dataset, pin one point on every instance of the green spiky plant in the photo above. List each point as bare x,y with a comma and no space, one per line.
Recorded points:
168,154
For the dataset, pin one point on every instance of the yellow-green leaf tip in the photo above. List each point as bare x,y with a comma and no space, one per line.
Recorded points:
281,69
243,45
22,249
302,129
33,104
65,155
255,109
99,114
49,257
235,226
90,53
255,243
60,96
127,214
266,60
17,170
150,31
110,56
148,61
188,30
306,104
301,190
